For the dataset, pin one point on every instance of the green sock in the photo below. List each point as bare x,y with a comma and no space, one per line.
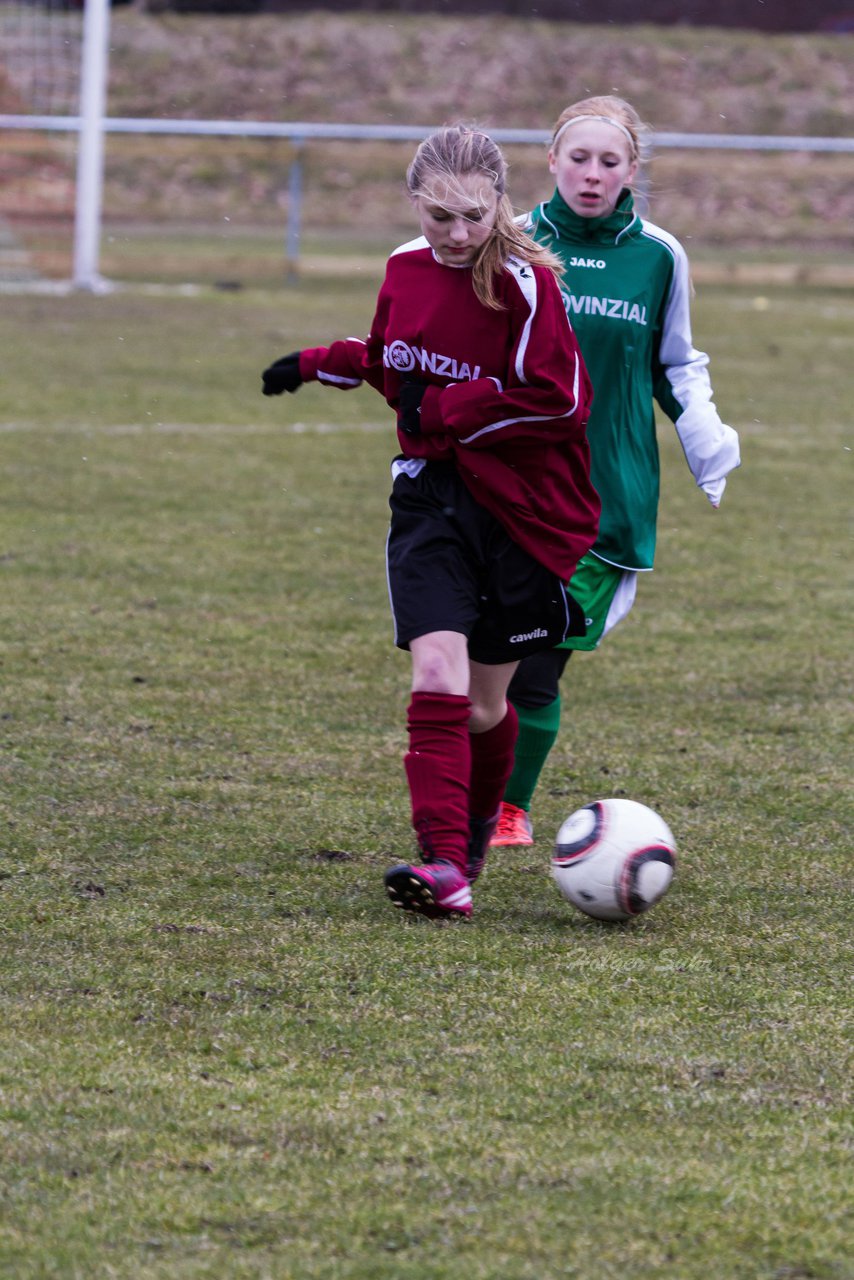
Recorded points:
538,728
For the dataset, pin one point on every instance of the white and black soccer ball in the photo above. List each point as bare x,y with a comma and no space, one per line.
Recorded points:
614,859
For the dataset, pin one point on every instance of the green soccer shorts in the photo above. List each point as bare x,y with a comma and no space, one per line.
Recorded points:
606,595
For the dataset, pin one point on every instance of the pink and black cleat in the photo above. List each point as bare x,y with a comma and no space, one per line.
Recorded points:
438,890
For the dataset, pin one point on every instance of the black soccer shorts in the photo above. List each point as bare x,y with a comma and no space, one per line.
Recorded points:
453,567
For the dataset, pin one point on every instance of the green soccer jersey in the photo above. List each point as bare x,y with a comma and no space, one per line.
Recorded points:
627,292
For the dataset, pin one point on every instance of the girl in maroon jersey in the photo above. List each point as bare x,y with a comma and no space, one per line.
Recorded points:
492,504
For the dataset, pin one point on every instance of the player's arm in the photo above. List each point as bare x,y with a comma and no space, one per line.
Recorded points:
545,389
344,364
683,389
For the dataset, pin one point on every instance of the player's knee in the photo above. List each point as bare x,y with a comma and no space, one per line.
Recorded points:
486,713
439,664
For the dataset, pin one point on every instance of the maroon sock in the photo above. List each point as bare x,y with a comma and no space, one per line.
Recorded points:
438,766
492,764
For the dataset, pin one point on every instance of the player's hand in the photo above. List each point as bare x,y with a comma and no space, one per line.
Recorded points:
714,490
726,458
282,375
409,407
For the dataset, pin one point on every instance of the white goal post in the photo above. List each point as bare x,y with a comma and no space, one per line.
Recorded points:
90,152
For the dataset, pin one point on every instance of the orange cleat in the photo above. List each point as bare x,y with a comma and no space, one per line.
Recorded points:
514,827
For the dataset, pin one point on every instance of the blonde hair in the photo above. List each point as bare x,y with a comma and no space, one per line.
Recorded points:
456,151
615,110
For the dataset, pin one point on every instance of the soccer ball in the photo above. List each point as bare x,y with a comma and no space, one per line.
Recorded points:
614,859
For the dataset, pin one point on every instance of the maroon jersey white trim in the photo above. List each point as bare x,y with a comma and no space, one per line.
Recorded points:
507,392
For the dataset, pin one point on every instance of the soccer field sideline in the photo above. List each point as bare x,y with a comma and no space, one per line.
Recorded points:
767,275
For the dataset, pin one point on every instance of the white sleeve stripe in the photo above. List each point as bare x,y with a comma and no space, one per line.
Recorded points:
684,366
542,417
551,226
322,376
420,242
527,282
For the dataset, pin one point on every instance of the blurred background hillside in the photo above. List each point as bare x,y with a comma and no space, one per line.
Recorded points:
779,15
229,197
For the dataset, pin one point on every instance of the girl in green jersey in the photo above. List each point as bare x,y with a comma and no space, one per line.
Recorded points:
627,292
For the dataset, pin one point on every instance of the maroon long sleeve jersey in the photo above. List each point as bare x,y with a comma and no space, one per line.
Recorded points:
507,396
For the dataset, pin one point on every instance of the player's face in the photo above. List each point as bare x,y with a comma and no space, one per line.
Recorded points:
456,222
591,166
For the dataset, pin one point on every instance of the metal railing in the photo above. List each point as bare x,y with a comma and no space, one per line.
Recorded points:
302,132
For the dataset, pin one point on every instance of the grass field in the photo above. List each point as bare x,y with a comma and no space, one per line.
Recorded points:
224,1055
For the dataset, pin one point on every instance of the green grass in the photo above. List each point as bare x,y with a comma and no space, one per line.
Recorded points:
224,1054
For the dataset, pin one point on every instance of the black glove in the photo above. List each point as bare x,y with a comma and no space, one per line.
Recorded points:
282,375
409,406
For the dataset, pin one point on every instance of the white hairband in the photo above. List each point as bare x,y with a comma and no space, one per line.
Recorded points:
604,119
